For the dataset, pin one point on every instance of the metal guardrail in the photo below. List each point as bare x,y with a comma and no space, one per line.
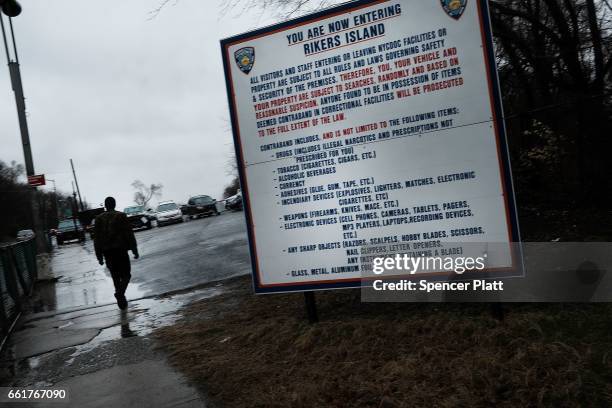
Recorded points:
18,274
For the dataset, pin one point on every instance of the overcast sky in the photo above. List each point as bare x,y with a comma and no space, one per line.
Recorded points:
124,97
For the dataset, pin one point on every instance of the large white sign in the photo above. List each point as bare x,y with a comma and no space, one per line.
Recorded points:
371,123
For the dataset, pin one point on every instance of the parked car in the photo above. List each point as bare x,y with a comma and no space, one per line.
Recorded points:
68,230
184,209
138,217
168,212
234,202
200,206
91,228
24,235
88,216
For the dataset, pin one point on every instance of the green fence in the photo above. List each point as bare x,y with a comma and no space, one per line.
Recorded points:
17,277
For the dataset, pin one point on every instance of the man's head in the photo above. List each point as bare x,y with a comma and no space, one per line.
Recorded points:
109,203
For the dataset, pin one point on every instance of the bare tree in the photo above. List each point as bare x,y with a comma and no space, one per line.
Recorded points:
281,9
15,202
163,3
144,193
11,172
555,65
232,188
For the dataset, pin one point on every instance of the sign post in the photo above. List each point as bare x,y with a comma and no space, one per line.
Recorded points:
374,122
311,307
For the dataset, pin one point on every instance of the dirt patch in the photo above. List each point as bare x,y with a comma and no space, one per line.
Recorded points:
247,350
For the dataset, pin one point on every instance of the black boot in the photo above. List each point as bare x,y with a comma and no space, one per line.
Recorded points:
121,301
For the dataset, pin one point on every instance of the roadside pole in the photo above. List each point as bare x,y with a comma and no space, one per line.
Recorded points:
76,182
55,198
23,127
311,307
75,207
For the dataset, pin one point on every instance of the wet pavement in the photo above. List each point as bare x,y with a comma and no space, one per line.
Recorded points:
172,258
75,337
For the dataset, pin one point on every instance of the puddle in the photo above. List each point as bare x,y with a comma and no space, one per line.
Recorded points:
143,316
83,282
33,362
9,364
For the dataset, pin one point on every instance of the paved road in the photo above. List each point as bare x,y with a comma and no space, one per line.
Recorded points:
172,258
76,338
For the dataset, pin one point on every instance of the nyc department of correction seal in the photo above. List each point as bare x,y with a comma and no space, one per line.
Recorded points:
245,58
454,8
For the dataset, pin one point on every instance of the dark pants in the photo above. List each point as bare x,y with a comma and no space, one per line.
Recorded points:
118,262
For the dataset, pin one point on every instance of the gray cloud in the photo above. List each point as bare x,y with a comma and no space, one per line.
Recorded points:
126,98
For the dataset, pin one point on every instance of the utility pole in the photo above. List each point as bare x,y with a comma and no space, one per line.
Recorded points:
19,98
77,185
55,198
75,209
12,9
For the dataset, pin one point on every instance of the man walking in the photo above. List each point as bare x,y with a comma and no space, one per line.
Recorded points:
113,238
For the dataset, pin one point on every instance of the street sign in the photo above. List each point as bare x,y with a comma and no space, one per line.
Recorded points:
36,180
367,123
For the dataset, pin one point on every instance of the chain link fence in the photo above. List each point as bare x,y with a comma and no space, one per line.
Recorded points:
18,274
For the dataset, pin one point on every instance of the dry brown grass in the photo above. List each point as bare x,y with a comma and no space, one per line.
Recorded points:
259,351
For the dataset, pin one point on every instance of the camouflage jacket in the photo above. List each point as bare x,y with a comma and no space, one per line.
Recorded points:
113,231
